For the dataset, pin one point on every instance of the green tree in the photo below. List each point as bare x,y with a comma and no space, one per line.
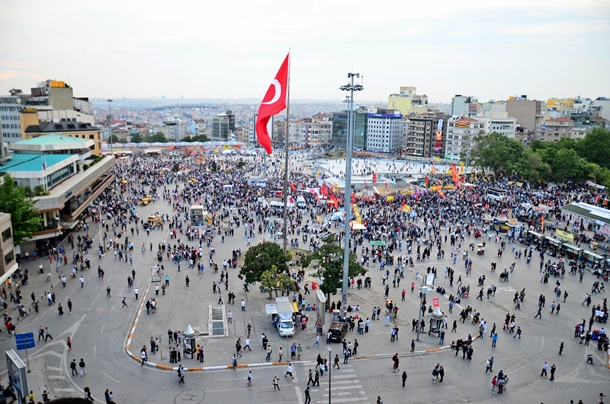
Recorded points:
137,138
595,147
25,218
531,167
273,281
116,139
496,152
330,265
263,257
158,137
198,138
566,164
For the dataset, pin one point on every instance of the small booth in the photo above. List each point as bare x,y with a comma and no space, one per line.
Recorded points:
552,245
591,259
189,336
533,238
436,322
570,251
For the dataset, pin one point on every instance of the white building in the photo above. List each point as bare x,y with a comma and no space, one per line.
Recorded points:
311,132
460,134
385,131
10,108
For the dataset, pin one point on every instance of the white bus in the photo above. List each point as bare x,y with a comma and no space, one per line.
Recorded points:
496,194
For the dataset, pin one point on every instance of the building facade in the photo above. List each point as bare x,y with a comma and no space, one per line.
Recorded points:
8,262
423,137
406,100
10,109
60,169
222,126
528,113
339,129
71,129
555,129
385,132
460,136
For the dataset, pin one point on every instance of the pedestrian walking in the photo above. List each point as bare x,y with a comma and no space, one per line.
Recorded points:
136,292
70,306
553,368
561,348
307,396
73,367
83,368
404,378
47,334
124,303
250,378
545,367
276,383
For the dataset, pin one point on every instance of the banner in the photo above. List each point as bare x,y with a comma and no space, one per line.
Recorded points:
357,214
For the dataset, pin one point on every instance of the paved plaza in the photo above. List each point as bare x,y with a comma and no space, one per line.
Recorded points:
101,329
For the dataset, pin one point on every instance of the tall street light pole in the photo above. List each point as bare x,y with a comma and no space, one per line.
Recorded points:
351,87
110,122
330,353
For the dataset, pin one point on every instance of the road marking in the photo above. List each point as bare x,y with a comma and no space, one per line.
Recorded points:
111,377
299,394
56,377
102,330
113,306
94,348
343,387
56,369
345,400
542,346
64,390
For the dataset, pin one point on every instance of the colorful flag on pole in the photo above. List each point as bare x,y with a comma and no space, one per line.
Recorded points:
374,178
273,103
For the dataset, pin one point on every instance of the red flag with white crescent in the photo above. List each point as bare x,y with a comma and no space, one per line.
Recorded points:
273,103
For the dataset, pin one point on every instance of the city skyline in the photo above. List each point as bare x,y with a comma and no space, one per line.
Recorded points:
483,49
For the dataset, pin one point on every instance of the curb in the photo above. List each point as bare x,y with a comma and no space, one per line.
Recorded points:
266,364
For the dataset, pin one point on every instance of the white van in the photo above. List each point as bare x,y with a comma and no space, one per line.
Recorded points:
301,203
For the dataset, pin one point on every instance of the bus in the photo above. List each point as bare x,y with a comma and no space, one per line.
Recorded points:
496,194
123,154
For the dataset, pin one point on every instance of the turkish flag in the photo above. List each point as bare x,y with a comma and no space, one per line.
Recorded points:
273,103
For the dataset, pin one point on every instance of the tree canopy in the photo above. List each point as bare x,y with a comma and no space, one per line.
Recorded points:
330,269
568,159
261,258
14,200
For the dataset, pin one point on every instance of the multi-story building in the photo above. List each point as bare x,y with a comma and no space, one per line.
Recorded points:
460,135
463,105
70,129
174,130
60,170
339,129
423,137
222,126
8,262
406,100
200,127
384,131
10,108
311,132
555,129
528,113
498,122
604,103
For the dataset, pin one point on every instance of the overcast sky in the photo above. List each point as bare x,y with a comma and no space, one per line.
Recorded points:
232,49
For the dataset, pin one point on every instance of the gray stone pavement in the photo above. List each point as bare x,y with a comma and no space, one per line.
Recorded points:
99,328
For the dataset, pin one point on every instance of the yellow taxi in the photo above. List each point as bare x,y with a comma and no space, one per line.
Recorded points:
146,200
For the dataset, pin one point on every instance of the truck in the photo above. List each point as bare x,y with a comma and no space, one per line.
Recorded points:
281,314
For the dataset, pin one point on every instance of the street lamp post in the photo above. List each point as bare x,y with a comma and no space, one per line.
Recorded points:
422,291
351,87
110,122
330,352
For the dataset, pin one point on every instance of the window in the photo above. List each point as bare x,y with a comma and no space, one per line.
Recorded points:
6,234
9,257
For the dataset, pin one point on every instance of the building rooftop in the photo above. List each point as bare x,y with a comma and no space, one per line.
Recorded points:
562,119
600,215
32,162
50,143
54,127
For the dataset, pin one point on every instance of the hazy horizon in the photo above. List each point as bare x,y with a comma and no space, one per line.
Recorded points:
490,50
